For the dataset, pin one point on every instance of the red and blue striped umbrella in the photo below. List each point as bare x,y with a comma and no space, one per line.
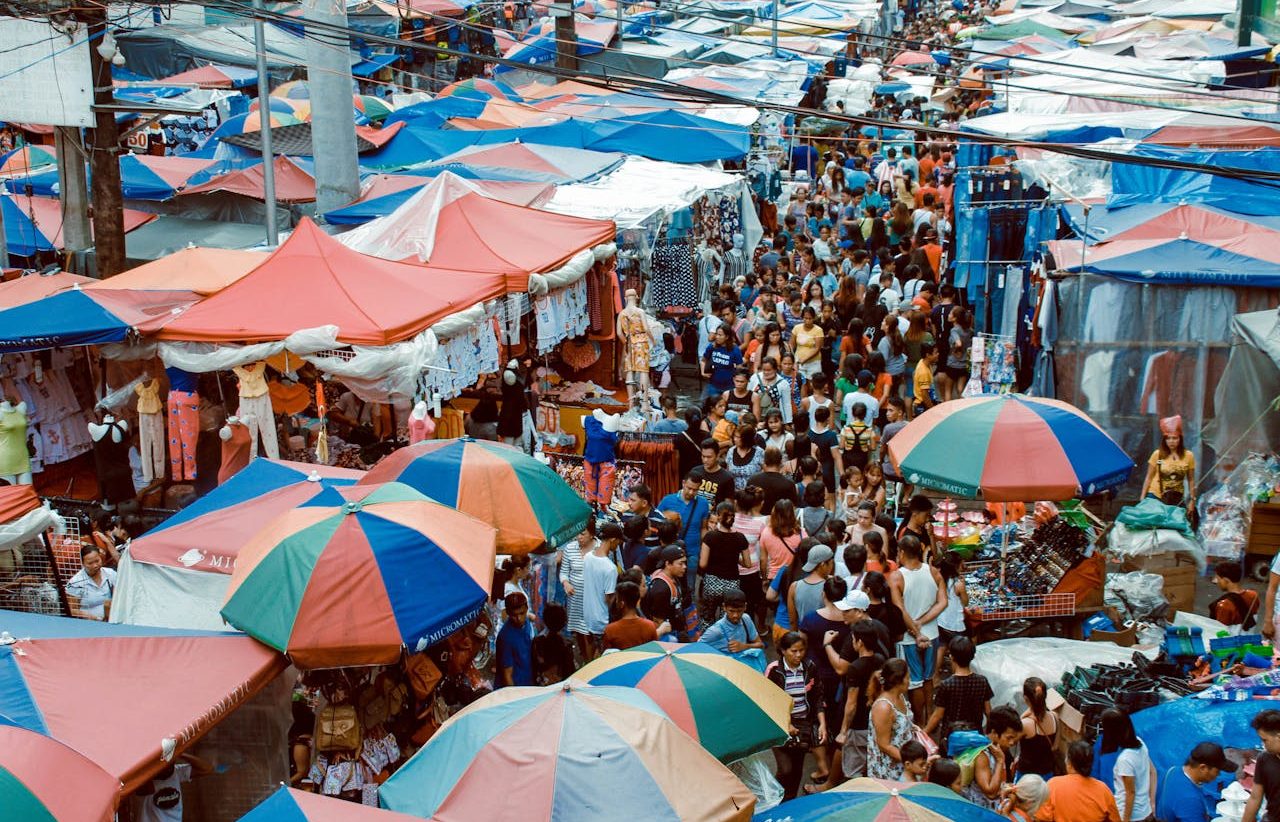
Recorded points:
354,584
1009,448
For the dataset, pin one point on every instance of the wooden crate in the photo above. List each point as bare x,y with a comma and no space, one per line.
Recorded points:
1264,530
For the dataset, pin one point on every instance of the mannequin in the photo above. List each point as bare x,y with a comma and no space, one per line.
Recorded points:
255,408
15,460
111,460
421,426
235,448
511,415
633,331
150,428
599,457
184,424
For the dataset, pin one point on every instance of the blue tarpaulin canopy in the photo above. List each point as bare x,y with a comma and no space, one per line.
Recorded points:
1131,183
83,317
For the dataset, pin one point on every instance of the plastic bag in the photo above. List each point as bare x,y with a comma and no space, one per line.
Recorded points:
756,772
1137,596
1150,514
1125,543
1007,663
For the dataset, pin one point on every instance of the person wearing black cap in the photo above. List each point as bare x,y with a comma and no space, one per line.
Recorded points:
1182,797
1266,775
919,512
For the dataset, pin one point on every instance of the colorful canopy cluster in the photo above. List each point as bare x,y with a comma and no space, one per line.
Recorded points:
583,752
1009,448
730,708
525,500
355,584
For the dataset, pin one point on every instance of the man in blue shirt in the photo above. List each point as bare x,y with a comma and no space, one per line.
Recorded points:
693,509
515,643
856,178
1182,797
804,157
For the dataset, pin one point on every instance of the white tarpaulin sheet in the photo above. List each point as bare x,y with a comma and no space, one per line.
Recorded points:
639,189
168,597
1007,663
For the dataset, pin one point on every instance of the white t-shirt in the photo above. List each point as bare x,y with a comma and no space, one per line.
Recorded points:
599,578
853,398
93,596
165,803
1134,762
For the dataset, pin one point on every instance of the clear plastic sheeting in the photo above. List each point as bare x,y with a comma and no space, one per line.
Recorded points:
1249,386
1130,354
166,597
199,358
756,772
639,189
1073,178
569,273
1008,662
1124,543
1137,596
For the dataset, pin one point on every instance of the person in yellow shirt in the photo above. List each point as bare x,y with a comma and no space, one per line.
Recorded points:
925,397
1171,471
806,341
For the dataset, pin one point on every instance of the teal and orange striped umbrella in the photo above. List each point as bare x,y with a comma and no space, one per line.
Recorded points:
1009,448
42,780
353,584
525,500
729,707
876,800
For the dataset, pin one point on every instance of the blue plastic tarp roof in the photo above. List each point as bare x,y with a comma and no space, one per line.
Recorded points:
1186,262
1172,729
373,64
137,182
1132,183
673,136
65,319
432,113
22,237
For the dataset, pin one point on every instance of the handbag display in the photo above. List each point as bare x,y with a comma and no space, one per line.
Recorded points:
337,729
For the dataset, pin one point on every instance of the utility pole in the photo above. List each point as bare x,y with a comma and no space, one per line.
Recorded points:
773,32
73,188
104,155
264,117
333,130
1246,13
566,36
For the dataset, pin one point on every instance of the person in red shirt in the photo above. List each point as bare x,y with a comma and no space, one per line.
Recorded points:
631,629
1078,797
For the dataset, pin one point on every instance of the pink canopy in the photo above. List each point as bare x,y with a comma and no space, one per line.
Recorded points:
34,287
313,280
293,184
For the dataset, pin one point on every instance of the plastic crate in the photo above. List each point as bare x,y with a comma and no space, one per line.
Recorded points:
1028,606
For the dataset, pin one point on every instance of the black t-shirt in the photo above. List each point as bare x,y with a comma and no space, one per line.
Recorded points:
716,486
775,486
861,669
1267,774
962,699
723,550
890,616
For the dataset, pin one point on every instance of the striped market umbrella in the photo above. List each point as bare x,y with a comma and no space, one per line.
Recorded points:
479,88
729,707
525,500
353,584
565,752
24,159
36,772
1009,448
374,108
292,805
875,800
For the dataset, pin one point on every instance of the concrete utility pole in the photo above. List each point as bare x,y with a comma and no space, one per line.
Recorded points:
104,157
333,130
566,36
264,119
73,188
1246,13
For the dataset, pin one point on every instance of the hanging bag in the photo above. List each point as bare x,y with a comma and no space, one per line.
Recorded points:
337,729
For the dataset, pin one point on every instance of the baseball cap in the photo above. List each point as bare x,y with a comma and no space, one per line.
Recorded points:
854,600
865,376
817,556
672,553
1211,754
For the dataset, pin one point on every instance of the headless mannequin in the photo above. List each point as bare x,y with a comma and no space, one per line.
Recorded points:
15,461
421,426
111,460
633,330
152,445
235,448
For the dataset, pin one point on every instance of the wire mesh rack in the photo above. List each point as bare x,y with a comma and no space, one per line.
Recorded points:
1026,606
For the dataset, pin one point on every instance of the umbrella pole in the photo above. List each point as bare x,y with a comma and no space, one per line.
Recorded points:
1004,541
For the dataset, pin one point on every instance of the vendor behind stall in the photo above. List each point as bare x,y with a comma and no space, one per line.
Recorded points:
1171,471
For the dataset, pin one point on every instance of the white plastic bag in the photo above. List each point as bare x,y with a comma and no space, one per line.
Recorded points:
1135,595
756,772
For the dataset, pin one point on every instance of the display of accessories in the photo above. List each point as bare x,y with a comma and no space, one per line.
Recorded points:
1032,569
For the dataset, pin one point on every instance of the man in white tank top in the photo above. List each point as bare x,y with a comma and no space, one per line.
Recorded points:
918,590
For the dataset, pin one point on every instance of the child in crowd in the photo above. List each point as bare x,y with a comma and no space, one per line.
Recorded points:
735,633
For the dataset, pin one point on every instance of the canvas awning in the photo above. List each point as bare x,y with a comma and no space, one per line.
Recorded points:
312,280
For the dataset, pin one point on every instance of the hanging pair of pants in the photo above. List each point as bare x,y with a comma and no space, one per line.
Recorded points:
151,445
261,422
598,479
184,430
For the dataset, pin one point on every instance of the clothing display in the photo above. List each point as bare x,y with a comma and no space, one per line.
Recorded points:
673,281
657,452
1000,366
111,459
151,444
236,450
15,460
635,333
184,431
561,315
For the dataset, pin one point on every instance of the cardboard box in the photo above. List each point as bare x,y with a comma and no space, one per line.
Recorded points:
1157,563
1070,721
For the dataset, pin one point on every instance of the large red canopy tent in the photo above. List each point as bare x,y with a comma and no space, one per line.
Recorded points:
448,225
313,280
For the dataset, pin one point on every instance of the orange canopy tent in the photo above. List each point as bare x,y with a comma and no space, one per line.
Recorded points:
448,225
32,287
313,280
204,271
